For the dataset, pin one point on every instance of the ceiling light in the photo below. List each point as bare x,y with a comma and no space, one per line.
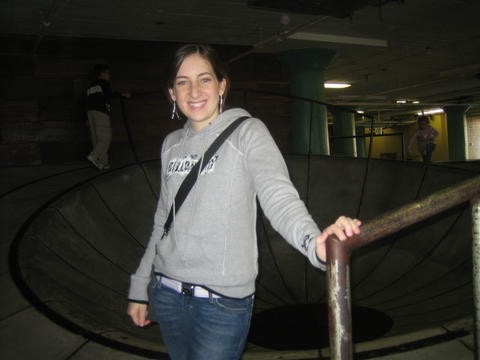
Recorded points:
336,85
430,112
415,102
360,112
401,101
339,39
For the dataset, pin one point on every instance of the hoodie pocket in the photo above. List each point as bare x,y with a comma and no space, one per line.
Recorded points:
201,252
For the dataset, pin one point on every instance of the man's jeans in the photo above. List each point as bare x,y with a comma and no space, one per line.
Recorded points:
202,328
101,136
429,148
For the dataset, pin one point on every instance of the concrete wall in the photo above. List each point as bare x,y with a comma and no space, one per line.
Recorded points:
473,138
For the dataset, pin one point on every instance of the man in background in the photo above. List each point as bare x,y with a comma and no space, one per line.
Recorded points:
99,95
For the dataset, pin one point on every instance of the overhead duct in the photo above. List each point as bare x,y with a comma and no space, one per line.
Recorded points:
336,8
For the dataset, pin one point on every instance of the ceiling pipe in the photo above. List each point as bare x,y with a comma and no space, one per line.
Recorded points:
275,38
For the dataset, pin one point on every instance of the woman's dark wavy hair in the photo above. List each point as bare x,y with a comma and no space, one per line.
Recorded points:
208,53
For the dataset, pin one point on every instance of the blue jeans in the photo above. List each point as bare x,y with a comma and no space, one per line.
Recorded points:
427,156
202,328
100,135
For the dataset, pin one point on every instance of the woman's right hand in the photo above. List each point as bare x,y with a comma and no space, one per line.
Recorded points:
138,312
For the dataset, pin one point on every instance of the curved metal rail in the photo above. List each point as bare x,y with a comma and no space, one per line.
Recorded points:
338,255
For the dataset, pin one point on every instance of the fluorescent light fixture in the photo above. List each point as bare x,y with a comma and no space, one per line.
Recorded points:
431,112
401,101
339,39
415,102
336,85
360,112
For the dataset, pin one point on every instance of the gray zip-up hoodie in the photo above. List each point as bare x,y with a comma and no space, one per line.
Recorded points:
212,240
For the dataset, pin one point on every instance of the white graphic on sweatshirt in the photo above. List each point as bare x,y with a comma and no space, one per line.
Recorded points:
183,166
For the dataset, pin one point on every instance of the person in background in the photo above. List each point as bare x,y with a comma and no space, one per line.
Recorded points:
424,139
205,266
99,95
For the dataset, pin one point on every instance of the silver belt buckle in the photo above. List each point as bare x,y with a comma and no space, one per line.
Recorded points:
188,289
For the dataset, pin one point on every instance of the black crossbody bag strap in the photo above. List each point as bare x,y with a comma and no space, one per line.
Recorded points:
191,178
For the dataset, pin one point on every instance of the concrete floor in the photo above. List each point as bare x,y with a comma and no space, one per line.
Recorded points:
71,235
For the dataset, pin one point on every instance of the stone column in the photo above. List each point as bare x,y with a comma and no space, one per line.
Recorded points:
310,127
344,125
457,145
361,146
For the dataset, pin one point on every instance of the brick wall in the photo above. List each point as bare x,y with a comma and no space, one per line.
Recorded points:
42,108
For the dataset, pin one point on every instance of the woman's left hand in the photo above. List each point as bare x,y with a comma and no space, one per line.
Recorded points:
343,228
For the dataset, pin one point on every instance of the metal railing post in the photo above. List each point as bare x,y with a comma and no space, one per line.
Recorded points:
476,271
339,303
338,257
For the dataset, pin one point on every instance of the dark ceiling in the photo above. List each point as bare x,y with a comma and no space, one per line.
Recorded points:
416,50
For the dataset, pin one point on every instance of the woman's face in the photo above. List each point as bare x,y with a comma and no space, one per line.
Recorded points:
196,90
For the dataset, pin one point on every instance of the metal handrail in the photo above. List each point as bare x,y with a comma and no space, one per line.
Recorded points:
338,255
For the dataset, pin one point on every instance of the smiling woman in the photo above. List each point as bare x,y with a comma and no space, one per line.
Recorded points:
205,262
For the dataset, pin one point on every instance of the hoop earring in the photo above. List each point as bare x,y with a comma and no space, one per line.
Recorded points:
174,111
221,104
